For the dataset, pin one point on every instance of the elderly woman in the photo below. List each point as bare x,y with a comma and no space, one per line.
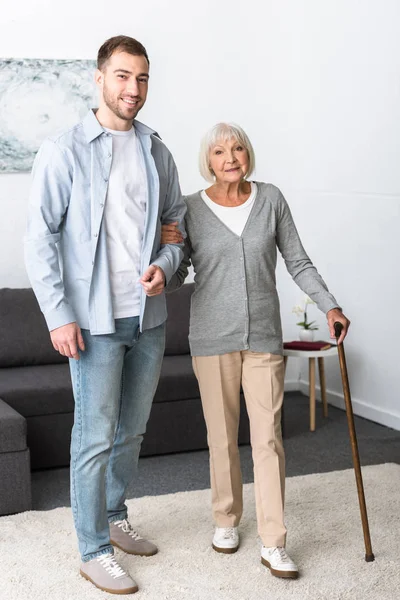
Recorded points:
233,230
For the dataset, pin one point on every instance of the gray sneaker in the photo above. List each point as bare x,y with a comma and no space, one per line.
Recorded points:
107,575
127,539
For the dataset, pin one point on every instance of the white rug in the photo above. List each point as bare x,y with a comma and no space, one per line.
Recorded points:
39,557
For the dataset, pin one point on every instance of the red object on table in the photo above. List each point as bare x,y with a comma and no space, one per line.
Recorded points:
307,345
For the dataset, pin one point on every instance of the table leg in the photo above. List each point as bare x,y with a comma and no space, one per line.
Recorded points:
312,392
322,383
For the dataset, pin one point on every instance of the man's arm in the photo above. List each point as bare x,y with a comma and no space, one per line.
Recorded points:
170,255
48,203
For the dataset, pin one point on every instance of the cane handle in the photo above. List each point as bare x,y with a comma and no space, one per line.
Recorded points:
338,329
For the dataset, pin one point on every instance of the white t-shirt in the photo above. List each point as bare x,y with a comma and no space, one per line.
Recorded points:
234,217
124,219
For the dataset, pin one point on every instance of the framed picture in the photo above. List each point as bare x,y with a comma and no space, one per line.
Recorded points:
38,97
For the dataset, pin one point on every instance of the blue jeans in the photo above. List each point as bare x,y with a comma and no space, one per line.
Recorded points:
114,383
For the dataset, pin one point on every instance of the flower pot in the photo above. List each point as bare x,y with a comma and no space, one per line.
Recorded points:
306,335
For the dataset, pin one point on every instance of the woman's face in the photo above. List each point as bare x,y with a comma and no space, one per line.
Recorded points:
229,161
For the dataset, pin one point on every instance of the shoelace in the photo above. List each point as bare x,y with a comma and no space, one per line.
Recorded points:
127,528
111,566
282,554
229,533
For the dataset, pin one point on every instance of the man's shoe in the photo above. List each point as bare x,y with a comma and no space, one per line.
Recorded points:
106,574
226,540
127,539
279,562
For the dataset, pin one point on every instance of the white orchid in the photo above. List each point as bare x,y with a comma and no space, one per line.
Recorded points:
298,310
301,311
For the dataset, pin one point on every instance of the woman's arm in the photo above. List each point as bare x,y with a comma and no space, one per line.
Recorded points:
178,278
302,270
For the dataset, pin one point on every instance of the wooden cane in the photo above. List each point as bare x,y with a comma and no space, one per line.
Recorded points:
369,556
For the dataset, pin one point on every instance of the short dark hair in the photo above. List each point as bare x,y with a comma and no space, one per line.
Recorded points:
122,43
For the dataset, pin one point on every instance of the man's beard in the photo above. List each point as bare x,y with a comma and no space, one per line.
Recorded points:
112,104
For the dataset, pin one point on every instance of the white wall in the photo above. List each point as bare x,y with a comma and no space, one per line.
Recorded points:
316,86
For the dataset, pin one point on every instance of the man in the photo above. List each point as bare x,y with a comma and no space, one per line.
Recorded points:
100,192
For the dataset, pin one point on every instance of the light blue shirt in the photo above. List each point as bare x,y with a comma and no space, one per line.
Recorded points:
66,244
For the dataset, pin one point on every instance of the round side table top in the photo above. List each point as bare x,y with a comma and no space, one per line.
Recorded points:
311,353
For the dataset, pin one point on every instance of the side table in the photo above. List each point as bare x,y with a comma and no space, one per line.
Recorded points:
312,355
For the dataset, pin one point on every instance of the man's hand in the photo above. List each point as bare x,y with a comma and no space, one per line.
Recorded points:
336,315
67,340
153,280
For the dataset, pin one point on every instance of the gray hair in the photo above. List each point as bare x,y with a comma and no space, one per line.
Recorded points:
223,132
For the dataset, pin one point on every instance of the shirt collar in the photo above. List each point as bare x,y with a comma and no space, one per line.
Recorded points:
93,129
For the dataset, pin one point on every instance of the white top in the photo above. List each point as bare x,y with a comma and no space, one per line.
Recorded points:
234,217
124,219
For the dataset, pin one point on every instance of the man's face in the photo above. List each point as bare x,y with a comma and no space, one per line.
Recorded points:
123,83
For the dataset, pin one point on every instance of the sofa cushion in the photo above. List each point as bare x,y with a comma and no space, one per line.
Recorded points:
24,337
22,323
177,332
39,390
47,389
12,429
177,380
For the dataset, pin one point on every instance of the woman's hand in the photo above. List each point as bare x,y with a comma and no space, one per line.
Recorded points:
336,315
170,234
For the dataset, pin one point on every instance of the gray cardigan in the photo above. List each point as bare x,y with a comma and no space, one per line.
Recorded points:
235,304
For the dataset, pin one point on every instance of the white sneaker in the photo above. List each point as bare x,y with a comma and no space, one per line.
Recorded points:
279,562
226,539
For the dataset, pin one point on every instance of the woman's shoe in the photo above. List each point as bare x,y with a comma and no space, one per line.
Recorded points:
279,562
226,540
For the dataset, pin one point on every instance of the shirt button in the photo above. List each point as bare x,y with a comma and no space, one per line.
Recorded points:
95,235
241,258
101,205
106,179
92,262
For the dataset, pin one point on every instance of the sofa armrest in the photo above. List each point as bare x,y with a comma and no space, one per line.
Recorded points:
12,429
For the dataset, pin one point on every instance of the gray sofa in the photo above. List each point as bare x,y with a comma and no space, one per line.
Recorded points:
36,401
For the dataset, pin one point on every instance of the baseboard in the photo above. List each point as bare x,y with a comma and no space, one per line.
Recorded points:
291,386
361,409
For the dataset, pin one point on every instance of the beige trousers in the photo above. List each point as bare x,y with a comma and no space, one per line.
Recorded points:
261,376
